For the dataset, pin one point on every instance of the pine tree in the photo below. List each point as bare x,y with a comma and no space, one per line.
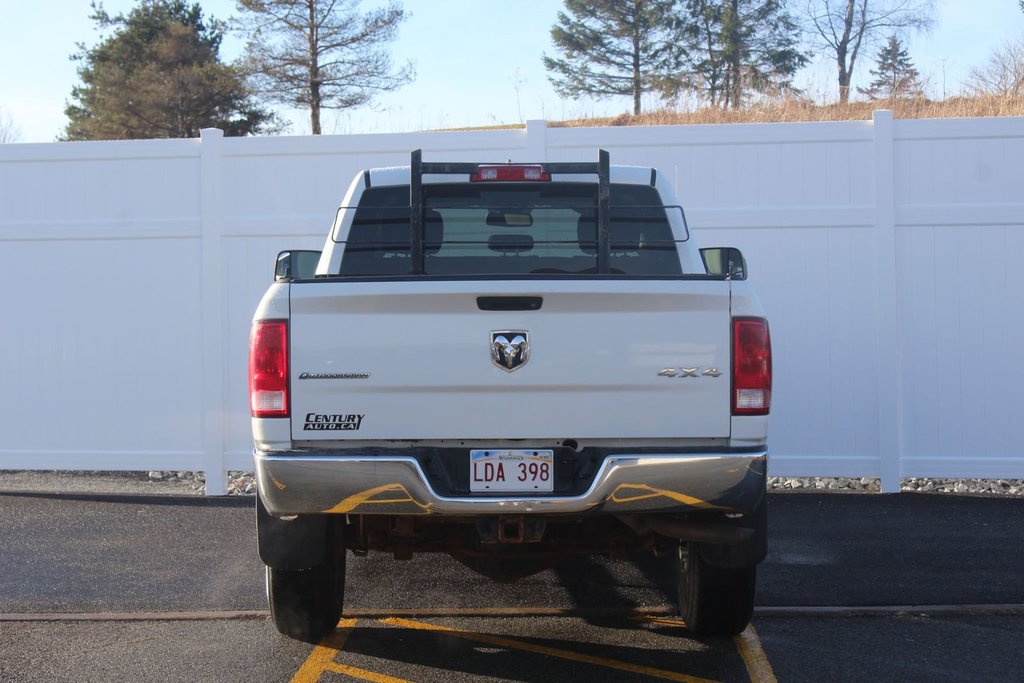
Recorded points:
613,47
895,75
738,47
159,75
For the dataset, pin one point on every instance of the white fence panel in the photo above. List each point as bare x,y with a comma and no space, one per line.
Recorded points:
100,300
960,214
884,252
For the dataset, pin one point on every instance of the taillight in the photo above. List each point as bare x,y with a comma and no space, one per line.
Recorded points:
751,367
268,369
485,174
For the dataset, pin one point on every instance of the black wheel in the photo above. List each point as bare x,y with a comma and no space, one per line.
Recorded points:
305,604
714,601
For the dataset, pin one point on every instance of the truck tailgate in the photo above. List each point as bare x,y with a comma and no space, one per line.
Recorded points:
412,360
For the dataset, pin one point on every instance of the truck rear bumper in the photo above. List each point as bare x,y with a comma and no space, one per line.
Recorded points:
302,482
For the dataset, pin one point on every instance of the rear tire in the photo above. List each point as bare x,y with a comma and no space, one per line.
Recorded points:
305,604
714,601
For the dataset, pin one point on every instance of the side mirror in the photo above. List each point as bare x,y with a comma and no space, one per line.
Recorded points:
296,264
727,262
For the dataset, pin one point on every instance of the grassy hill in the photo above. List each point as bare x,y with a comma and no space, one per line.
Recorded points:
802,110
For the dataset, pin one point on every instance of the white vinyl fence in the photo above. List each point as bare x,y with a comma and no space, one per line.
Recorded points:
887,254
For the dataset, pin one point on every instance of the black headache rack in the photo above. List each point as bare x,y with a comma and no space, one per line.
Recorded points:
418,168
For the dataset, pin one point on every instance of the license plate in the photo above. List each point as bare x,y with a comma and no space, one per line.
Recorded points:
515,471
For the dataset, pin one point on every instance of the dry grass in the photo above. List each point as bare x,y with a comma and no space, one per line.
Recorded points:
802,110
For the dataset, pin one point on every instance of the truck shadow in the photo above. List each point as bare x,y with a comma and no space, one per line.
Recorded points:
534,649
604,590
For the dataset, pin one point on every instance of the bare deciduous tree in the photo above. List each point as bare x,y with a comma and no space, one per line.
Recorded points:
321,54
8,131
845,27
1002,74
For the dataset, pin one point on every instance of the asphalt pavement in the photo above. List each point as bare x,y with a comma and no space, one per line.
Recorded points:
135,558
84,553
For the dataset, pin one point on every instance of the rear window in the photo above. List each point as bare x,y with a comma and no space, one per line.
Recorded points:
511,229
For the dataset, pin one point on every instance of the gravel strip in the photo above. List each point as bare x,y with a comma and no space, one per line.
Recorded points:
1003,487
244,484
134,483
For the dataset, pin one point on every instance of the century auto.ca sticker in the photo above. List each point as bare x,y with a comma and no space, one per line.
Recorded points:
316,422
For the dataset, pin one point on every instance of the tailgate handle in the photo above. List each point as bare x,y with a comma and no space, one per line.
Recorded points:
509,303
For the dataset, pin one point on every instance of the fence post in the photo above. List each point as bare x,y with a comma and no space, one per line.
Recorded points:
890,409
536,140
212,307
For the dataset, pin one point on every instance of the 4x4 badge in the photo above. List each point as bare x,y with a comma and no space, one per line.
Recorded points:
510,349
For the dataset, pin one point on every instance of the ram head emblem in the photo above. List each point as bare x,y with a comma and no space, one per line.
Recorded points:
510,349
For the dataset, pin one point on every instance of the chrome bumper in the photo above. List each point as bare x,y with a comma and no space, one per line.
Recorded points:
294,482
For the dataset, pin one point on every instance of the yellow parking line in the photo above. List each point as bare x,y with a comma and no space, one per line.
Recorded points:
749,645
660,621
424,612
754,658
363,674
322,659
324,653
544,650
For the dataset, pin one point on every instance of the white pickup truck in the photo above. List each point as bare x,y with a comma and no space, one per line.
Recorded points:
510,363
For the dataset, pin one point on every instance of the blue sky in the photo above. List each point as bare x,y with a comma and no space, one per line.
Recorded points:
477,63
